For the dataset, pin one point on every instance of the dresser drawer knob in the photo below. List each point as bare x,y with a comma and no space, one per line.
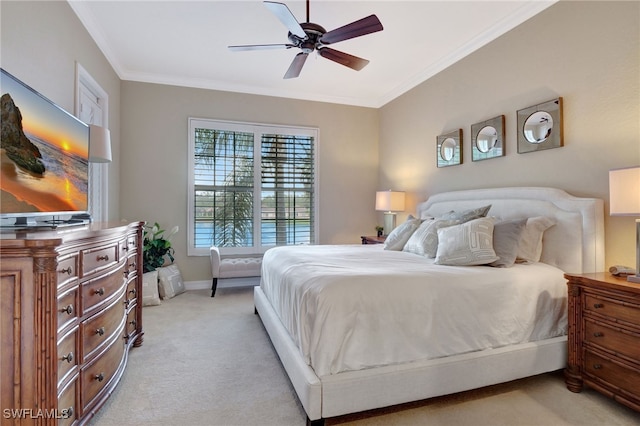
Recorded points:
99,377
598,334
68,309
67,271
597,366
99,292
100,331
133,323
133,292
598,305
68,357
67,413
105,258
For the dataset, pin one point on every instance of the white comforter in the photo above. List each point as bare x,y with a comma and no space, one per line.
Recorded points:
352,307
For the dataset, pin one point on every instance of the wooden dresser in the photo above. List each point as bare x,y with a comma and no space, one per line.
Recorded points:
70,312
604,336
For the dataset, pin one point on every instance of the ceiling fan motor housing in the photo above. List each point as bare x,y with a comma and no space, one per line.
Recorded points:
313,32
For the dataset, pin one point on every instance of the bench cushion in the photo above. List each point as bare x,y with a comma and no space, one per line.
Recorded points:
240,267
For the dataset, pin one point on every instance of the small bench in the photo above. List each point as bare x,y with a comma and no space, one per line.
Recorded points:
239,267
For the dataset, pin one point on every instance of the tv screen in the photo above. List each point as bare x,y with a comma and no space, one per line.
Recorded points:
44,153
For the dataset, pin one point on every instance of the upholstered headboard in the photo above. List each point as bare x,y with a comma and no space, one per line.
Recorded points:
574,244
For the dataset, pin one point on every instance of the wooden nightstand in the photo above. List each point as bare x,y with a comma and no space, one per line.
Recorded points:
373,239
604,336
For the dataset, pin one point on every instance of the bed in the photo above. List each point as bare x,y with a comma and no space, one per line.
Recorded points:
358,327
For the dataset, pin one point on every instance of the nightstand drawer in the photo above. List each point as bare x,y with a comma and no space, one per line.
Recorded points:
618,341
612,308
614,373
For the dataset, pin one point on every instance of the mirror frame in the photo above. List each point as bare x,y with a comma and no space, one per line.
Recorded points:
456,135
555,139
498,149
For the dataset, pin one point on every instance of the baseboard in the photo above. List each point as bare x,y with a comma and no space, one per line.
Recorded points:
223,283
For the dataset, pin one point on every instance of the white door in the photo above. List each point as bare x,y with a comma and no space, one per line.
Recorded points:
92,107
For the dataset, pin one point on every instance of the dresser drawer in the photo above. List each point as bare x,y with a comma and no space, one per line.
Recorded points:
617,374
67,308
612,308
96,259
95,293
129,245
131,325
615,340
97,330
67,269
67,354
96,375
67,404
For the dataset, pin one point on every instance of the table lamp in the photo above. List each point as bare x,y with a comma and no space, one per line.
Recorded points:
389,202
624,199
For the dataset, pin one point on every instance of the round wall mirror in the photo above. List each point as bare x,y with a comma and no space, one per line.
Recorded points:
538,126
448,149
486,139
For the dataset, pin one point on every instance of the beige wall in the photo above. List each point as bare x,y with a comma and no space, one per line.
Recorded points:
154,157
40,45
586,52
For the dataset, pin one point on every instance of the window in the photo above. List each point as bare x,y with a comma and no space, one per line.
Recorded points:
251,186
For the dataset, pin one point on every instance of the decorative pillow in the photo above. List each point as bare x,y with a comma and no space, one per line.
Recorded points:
467,244
170,281
150,296
530,244
466,215
506,235
424,241
399,236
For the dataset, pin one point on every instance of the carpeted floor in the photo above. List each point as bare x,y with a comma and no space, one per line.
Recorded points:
208,361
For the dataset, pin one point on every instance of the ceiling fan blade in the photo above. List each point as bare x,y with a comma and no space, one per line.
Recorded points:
260,47
285,16
342,58
368,25
296,65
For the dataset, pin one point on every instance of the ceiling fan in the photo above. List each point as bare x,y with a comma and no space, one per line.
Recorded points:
308,37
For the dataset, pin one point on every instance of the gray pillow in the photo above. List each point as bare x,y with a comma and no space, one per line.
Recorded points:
400,235
466,215
506,235
424,241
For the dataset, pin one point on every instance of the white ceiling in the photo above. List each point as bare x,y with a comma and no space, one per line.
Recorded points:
185,43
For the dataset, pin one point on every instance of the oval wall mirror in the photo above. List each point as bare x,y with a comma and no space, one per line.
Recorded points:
486,138
448,149
538,127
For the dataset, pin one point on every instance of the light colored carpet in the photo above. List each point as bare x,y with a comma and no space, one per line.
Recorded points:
208,361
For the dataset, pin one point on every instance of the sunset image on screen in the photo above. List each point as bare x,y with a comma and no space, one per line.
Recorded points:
44,155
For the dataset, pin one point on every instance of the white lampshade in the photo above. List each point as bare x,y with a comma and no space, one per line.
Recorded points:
390,201
99,144
624,191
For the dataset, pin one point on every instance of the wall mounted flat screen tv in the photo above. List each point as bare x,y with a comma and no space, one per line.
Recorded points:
44,158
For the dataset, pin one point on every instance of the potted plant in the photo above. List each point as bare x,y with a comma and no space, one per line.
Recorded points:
156,246
379,229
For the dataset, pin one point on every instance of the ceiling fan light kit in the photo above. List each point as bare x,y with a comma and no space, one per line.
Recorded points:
308,37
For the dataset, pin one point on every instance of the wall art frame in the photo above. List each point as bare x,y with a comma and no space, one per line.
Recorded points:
448,149
541,127
487,139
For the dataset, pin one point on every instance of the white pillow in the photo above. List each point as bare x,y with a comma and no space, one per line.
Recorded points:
466,215
424,241
530,244
506,236
150,296
399,236
170,281
467,244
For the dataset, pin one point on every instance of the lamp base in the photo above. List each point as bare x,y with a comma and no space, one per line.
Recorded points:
636,278
389,222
